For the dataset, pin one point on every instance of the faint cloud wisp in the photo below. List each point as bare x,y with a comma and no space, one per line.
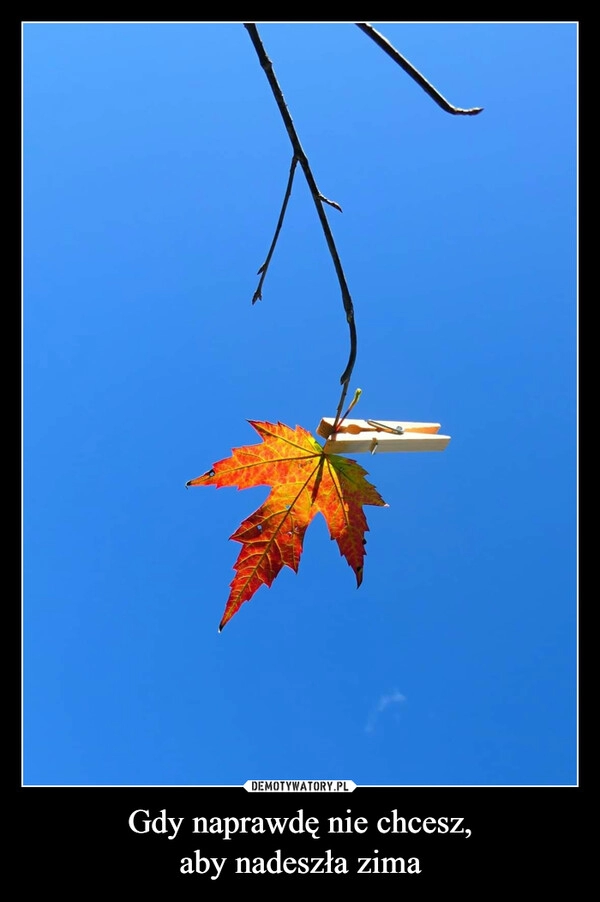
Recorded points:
394,698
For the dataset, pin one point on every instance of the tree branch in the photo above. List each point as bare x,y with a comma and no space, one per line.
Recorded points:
262,272
414,73
319,200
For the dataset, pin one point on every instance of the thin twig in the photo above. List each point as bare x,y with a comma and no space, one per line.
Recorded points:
332,203
414,73
262,272
317,197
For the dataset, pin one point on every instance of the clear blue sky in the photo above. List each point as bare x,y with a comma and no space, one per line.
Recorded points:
154,167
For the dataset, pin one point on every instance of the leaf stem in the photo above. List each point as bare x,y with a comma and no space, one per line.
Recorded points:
340,419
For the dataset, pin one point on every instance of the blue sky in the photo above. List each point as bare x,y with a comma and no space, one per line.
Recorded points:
154,167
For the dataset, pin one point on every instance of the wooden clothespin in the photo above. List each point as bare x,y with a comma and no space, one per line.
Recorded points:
356,436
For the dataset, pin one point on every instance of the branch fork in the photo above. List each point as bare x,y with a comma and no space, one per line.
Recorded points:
299,157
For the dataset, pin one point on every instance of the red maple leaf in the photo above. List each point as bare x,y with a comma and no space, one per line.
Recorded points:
304,481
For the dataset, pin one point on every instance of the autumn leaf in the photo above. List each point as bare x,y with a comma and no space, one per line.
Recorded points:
304,481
